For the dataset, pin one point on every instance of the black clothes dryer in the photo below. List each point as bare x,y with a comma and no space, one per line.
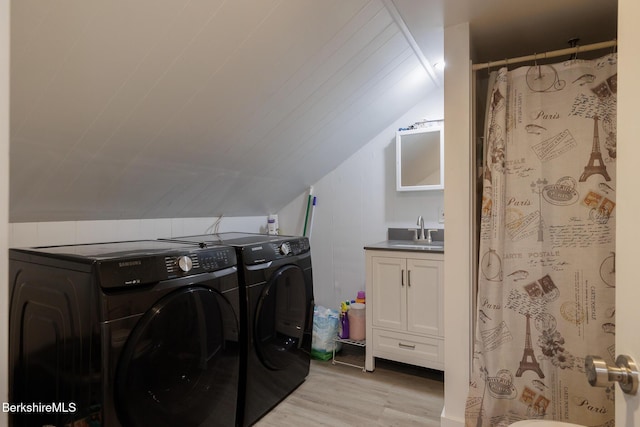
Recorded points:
141,333
277,289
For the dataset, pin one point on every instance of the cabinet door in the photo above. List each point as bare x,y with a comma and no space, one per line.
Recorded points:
389,296
424,296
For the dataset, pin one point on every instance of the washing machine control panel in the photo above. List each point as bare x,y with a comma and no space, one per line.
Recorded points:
184,263
200,261
285,248
217,259
147,269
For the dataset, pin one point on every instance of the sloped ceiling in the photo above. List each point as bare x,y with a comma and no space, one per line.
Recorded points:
186,108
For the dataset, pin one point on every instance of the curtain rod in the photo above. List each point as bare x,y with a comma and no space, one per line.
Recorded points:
545,55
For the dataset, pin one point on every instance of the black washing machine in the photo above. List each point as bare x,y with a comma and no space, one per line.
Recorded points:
141,333
277,289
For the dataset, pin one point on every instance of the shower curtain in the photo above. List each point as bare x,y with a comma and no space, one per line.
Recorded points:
546,279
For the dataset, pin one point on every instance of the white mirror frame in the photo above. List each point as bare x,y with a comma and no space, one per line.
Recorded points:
399,135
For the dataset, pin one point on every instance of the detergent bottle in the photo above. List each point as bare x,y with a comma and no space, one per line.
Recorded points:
343,329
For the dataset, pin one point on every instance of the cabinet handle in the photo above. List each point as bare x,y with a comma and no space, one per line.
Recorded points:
401,345
408,277
402,277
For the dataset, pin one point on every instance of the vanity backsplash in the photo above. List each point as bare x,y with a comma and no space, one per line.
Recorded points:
409,234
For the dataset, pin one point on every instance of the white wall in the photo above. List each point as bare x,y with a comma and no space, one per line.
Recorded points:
627,229
71,232
458,205
356,203
4,203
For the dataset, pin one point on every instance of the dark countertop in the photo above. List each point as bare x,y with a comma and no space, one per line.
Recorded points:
407,246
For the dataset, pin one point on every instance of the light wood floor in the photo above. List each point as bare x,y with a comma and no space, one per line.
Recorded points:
339,395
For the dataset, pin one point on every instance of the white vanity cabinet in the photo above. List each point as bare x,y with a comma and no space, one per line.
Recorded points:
404,316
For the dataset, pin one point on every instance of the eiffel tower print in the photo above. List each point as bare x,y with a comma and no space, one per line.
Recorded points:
596,164
529,362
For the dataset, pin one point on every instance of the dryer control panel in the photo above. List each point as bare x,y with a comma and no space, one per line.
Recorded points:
293,247
271,251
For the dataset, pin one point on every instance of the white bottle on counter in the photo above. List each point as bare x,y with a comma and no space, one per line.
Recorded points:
272,224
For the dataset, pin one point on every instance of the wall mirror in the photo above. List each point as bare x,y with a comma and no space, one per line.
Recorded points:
420,159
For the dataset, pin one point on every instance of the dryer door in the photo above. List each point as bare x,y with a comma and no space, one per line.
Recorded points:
178,367
280,318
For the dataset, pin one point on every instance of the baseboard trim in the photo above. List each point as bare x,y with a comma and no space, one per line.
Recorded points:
450,421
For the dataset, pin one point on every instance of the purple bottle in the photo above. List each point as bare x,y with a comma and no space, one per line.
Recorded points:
344,326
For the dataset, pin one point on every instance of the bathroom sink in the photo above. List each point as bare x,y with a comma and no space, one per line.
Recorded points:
416,245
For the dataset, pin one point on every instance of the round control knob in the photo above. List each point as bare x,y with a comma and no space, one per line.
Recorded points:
184,263
285,248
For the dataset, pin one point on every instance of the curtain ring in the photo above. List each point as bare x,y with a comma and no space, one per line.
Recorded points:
576,54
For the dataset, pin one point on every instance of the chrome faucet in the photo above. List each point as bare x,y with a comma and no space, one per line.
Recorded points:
421,225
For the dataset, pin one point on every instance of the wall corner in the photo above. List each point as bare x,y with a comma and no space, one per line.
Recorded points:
459,207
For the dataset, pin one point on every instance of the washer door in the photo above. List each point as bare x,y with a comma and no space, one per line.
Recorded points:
176,368
280,318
